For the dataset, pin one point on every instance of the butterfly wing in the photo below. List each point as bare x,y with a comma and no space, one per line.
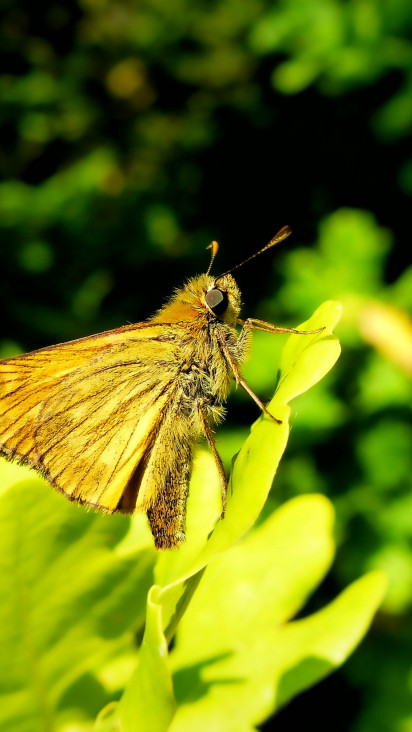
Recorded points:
87,412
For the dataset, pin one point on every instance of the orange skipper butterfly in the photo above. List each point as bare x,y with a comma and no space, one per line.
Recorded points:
110,420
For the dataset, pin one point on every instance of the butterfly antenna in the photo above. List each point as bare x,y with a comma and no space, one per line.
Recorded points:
214,246
280,236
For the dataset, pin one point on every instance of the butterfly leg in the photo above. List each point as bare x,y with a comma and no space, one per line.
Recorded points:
255,324
209,436
244,338
240,381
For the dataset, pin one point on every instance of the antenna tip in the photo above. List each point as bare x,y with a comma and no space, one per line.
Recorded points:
214,246
284,232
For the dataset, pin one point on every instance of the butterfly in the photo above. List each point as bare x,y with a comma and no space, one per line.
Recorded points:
110,420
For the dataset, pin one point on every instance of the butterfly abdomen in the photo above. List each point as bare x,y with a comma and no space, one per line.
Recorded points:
160,484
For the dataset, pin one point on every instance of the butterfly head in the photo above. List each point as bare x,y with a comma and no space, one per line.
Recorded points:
222,299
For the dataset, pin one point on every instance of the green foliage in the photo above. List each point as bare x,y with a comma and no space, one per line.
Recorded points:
74,587
68,604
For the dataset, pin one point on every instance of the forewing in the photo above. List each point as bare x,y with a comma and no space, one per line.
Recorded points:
87,412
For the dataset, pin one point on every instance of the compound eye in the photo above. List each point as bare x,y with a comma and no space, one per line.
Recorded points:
217,301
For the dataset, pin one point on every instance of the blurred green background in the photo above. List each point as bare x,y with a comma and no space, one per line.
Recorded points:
133,133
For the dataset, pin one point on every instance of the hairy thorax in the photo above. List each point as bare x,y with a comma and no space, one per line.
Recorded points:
205,375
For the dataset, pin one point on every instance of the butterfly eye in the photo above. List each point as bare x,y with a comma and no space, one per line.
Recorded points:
217,301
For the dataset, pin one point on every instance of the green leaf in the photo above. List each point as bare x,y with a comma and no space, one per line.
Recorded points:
148,703
313,647
307,359
68,603
237,658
